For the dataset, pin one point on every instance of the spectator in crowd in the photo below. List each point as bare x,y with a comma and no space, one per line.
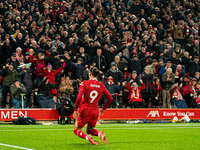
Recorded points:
44,96
187,92
185,60
115,73
147,93
51,74
99,60
176,97
135,97
157,89
13,60
38,60
78,68
16,89
121,65
165,67
64,106
179,73
26,79
197,76
168,80
194,66
66,86
173,59
10,74
134,77
197,95
114,90
84,56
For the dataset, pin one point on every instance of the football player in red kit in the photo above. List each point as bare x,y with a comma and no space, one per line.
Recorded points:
86,111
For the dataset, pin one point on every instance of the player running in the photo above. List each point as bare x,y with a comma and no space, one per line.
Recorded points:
91,92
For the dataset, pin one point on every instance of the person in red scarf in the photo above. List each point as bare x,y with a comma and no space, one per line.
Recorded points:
157,92
176,96
19,55
188,90
179,73
135,97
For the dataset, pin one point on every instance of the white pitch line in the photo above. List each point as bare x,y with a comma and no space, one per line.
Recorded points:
16,146
177,127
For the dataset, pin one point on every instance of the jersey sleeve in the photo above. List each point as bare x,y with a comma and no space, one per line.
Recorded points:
80,95
109,98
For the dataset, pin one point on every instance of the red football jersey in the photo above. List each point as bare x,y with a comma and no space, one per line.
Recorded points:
91,91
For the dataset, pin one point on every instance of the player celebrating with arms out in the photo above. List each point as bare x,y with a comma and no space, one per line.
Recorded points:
88,113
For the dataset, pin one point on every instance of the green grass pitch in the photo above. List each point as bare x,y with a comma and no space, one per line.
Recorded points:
166,136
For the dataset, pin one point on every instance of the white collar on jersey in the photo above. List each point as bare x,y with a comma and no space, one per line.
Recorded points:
93,79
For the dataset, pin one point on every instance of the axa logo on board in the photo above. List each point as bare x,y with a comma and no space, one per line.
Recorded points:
153,113
12,114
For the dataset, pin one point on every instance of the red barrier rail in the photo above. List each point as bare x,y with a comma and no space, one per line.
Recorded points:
110,114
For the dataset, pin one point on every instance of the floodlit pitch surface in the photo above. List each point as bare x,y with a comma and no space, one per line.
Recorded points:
180,136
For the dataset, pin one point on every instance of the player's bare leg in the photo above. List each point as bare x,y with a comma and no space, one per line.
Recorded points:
81,134
95,132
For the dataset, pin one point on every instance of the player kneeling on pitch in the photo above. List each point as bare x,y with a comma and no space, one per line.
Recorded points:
86,110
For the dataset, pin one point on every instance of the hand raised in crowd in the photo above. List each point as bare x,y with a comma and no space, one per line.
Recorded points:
62,60
120,53
131,81
141,81
181,85
17,84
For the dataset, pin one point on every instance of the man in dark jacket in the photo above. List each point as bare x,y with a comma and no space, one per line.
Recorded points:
78,67
13,60
64,106
16,89
120,65
115,73
100,61
44,96
25,75
83,55
135,63
194,66
147,78
9,78
113,88
54,60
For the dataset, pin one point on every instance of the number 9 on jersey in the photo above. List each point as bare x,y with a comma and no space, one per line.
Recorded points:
93,95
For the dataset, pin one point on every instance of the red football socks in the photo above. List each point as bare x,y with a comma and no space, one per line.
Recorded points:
80,134
94,132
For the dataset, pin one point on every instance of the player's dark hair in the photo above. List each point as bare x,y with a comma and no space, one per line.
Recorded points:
94,71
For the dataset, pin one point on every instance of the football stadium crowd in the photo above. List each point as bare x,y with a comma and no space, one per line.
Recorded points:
147,51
